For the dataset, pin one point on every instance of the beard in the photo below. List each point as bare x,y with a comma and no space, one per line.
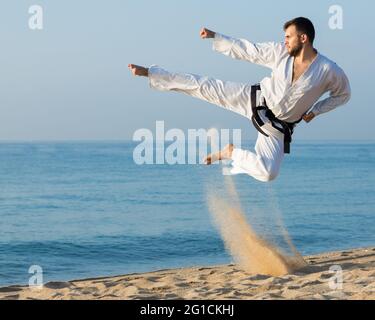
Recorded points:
296,50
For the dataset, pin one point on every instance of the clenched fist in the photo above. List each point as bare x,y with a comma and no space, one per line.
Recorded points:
308,117
206,34
138,70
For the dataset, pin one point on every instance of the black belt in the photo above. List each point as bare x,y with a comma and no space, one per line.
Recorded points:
287,127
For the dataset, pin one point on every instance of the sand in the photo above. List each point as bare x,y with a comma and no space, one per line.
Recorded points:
314,281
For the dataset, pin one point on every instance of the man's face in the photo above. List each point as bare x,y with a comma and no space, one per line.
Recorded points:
293,41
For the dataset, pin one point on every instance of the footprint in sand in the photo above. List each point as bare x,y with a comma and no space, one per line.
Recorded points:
108,296
111,284
11,297
153,279
258,277
346,253
202,278
312,283
10,289
293,287
182,285
89,290
325,276
57,285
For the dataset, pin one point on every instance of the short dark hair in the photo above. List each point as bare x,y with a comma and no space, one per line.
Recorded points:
302,25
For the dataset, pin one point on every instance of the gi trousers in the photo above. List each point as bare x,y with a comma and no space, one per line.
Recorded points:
264,162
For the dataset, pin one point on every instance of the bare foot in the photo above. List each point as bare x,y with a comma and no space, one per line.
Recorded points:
138,70
224,154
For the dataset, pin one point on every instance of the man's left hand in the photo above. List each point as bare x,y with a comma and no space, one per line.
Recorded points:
308,117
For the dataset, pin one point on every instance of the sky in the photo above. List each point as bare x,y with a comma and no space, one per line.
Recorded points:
70,81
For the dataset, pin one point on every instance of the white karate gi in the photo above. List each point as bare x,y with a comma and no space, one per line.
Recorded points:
289,102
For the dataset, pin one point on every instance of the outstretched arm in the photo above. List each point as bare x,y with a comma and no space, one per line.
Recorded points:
264,54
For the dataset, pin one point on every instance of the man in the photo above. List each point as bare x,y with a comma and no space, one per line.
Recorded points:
300,76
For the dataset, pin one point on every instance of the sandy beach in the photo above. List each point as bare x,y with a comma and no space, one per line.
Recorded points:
224,282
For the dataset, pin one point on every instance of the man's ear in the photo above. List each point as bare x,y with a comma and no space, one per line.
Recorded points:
304,38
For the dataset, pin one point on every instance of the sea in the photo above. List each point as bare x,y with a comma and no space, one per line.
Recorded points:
79,209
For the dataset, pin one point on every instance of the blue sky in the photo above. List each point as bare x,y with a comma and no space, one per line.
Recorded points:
70,80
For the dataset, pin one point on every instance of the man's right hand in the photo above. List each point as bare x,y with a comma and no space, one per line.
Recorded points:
206,34
308,117
138,70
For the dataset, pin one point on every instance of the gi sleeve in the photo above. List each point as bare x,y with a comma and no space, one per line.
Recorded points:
339,91
264,54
